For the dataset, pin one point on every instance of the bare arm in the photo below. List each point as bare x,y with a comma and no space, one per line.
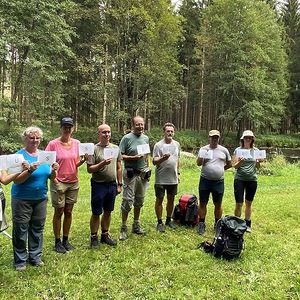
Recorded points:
97,167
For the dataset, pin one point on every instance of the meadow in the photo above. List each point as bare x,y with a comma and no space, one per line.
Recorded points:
169,265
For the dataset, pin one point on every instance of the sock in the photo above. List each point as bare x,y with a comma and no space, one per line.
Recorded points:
136,222
159,221
216,220
168,220
202,220
93,234
65,238
104,232
248,223
57,241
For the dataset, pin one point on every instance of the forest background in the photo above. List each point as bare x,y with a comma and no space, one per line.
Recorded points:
230,65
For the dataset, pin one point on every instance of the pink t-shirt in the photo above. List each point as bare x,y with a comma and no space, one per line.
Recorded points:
67,159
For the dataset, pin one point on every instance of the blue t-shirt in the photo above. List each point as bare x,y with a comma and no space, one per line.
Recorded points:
35,187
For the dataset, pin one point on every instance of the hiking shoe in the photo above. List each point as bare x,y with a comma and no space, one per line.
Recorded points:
39,263
21,268
171,225
123,233
136,228
106,239
248,229
59,248
94,244
160,227
67,245
201,228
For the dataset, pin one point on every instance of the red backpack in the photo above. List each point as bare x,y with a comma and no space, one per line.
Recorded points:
186,211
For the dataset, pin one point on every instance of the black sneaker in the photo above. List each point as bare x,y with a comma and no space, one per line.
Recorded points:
106,239
67,245
94,244
59,248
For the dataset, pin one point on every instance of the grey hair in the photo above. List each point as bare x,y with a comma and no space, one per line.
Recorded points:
31,129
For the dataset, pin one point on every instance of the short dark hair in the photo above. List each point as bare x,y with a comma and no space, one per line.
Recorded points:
168,124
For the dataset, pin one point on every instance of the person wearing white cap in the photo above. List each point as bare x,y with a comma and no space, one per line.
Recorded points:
212,177
245,178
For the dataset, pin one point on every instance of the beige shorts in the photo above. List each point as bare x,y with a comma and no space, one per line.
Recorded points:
133,192
62,193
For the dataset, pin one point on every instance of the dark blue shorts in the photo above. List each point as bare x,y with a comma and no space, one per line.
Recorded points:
215,187
242,187
103,196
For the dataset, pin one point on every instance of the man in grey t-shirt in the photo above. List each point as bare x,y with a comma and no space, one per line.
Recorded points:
166,155
214,159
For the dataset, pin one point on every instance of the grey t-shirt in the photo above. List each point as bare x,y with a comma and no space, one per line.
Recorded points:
213,169
166,172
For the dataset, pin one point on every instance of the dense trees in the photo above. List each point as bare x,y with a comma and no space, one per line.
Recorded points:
225,64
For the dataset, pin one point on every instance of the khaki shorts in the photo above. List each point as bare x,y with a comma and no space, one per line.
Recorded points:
62,193
133,192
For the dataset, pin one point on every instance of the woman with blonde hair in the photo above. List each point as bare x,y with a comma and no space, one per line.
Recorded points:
29,202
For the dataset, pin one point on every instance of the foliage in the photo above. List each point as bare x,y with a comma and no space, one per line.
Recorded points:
169,266
245,64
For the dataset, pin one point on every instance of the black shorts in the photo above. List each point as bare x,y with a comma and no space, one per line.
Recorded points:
215,187
161,188
241,187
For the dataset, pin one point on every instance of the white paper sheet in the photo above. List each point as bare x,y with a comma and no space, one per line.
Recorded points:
260,154
243,153
14,160
143,149
3,162
203,153
47,157
111,153
86,148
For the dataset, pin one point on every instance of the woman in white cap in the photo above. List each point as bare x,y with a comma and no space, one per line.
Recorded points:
245,179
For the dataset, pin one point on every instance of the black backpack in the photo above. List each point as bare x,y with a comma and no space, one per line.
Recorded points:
186,211
229,237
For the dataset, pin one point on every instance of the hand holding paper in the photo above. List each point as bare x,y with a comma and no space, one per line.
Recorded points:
204,153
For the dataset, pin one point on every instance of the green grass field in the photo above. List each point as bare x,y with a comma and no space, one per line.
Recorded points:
168,266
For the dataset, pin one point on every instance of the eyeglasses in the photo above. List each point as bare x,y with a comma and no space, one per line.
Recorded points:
34,138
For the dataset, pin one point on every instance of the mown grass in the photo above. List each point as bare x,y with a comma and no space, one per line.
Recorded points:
168,266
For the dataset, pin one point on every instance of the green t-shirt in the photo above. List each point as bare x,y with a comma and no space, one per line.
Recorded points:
247,171
128,146
109,172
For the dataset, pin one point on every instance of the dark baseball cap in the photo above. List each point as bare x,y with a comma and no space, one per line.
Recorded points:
67,121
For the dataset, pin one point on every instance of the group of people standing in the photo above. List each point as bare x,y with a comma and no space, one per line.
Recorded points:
29,189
